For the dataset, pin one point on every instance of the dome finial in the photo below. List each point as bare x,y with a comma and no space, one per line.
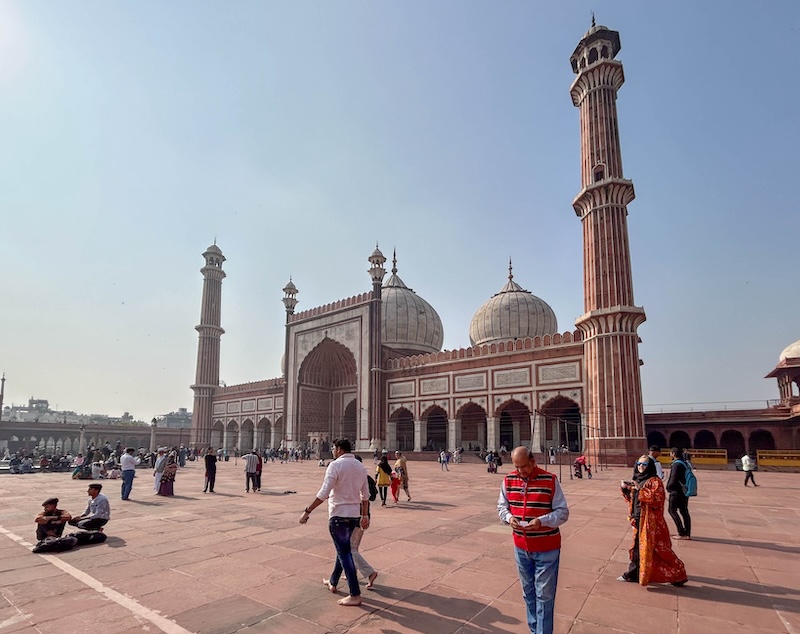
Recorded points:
394,261
593,24
510,268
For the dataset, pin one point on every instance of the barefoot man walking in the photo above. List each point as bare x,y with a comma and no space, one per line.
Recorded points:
347,491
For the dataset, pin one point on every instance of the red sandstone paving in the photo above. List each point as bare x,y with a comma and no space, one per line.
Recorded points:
234,562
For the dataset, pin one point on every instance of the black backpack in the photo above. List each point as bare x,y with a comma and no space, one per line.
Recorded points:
373,490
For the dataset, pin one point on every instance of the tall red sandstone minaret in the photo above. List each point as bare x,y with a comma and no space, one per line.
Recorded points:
207,375
613,408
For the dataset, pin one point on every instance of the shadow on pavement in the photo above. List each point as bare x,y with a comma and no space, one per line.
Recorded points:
741,542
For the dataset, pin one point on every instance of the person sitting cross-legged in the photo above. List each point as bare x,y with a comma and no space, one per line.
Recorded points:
50,522
97,513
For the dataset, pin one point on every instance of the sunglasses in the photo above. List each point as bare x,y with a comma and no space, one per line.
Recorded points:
642,464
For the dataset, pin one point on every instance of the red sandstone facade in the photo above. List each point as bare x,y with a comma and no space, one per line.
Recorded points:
371,367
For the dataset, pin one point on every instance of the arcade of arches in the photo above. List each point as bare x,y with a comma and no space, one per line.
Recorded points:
248,435
732,440
472,428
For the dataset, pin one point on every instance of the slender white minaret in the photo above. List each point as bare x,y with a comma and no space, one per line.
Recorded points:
614,415
290,301
377,435
208,345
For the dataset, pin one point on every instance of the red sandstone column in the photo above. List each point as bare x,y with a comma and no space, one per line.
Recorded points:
208,346
613,414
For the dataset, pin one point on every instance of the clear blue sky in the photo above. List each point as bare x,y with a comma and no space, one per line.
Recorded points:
300,133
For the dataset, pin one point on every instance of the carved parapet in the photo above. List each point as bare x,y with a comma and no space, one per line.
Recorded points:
504,347
617,320
616,192
349,302
607,74
248,387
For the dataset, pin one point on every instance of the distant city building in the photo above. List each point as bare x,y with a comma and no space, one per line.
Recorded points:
38,411
175,420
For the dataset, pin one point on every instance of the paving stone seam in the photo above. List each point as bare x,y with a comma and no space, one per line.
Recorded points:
133,606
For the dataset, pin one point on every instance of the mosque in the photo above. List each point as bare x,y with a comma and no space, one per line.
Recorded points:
371,367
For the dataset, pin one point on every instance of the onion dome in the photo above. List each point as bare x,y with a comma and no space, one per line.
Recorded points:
513,313
790,352
409,324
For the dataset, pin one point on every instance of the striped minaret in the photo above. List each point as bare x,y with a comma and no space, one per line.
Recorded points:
207,375
613,410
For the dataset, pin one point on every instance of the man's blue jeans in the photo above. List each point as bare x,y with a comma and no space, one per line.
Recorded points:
538,574
341,529
127,482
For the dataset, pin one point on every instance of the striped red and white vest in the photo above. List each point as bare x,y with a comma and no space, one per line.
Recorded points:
528,499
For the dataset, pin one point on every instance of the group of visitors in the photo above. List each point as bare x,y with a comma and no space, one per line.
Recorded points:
390,478
51,521
531,502
652,559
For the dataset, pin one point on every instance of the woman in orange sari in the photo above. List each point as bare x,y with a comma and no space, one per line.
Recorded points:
652,557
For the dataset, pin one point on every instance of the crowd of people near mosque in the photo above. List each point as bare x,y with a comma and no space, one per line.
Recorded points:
531,502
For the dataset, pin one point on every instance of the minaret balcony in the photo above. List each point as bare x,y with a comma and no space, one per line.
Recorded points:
616,320
617,192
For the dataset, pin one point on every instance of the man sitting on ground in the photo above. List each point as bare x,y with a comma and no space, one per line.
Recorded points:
50,522
97,513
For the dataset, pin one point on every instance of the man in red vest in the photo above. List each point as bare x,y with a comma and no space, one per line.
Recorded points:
532,502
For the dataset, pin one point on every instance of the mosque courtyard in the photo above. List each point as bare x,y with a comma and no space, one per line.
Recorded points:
241,562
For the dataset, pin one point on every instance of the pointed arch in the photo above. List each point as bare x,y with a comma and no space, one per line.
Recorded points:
513,424
561,420
761,439
472,418
233,434
656,438
435,418
705,439
405,429
246,435
327,382
262,433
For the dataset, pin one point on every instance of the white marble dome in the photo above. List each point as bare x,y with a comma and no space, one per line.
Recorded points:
790,352
409,323
513,313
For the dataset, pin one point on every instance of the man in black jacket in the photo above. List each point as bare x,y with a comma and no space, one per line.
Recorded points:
678,501
211,470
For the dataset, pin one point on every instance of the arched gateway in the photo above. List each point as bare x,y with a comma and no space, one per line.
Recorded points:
327,394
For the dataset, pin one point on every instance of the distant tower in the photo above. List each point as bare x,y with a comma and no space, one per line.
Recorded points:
376,272
207,375
613,409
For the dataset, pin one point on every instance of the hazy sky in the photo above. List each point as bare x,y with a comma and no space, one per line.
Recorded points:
300,133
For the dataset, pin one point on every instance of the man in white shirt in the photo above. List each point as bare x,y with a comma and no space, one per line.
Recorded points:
748,466
655,452
128,467
250,471
97,513
347,491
